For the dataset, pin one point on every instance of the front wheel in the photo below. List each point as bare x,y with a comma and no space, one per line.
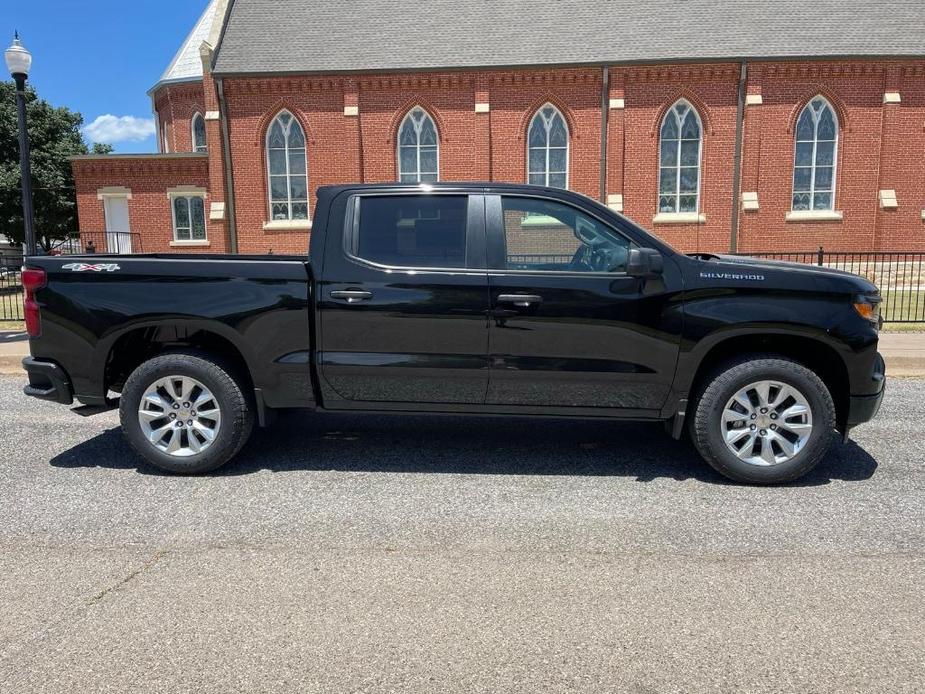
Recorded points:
764,420
185,413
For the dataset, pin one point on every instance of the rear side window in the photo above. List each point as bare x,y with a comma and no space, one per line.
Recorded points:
412,230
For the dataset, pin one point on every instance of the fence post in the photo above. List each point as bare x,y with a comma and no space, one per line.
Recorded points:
819,256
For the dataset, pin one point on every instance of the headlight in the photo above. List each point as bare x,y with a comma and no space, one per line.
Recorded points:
868,307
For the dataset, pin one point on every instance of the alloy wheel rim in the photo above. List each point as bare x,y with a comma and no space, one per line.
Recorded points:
766,423
179,416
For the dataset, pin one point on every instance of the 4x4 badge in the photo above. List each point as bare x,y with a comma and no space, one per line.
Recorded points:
91,267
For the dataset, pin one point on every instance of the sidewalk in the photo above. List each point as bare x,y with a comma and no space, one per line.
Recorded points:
904,353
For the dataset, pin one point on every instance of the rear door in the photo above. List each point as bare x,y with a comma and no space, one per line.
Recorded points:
404,300
570,328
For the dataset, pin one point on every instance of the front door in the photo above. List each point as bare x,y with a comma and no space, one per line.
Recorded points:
570,328
118,236
404,302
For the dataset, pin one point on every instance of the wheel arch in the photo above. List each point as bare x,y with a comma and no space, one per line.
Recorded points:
124,351
813,351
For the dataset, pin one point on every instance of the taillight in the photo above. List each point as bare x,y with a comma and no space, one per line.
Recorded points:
33,279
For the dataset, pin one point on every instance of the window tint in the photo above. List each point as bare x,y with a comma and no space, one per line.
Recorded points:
413,230
546,235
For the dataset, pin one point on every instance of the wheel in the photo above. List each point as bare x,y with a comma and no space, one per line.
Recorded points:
763,419
185,412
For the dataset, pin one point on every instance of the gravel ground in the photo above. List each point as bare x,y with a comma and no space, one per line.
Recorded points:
375,554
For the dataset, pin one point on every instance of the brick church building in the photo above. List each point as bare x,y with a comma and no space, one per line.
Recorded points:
753,126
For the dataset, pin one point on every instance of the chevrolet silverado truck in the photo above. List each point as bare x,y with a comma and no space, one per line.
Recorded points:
484,299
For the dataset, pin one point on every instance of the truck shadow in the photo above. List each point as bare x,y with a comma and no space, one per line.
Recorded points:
465,445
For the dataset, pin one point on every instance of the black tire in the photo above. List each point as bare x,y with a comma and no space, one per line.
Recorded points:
237,419
725,382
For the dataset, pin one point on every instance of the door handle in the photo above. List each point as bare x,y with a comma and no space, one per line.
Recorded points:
520,300
351,296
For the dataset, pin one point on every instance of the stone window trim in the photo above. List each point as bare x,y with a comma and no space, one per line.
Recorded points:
416,139
548,135
198,139
680,152
183,233
815,158
285,134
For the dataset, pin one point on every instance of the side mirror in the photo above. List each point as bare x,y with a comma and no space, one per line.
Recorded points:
644,262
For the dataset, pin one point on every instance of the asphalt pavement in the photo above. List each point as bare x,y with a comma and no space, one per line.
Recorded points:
384,554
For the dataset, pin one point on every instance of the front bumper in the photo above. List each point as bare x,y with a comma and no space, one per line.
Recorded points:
863,408
47,381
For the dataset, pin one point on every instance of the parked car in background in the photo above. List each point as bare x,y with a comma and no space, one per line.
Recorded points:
463,298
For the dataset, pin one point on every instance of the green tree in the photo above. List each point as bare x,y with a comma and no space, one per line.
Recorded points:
54,135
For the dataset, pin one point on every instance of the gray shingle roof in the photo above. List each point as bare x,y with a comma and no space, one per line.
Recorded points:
279,36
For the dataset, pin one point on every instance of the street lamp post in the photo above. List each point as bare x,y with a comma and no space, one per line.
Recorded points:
18,61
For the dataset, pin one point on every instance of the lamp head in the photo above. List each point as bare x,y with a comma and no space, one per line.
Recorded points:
18,59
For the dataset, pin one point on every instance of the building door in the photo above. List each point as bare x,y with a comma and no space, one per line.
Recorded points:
118,233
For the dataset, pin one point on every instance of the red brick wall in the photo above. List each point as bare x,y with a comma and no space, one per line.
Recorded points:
649,93
148,178
175,106
332,150
881,146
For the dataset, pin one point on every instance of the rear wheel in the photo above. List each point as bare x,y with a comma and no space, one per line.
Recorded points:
185,413
764,420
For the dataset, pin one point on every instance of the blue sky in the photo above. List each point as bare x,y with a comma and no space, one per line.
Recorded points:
101,57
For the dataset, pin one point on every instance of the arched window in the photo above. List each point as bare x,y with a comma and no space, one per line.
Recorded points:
418,148
198,128
679,159
286,166
547,149
815,157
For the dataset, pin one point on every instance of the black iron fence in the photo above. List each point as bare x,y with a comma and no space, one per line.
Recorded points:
81,242
899,275
10,288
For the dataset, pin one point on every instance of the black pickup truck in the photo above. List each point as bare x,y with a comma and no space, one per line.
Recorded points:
462,298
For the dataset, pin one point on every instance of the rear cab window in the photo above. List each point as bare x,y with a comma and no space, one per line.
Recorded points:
411,231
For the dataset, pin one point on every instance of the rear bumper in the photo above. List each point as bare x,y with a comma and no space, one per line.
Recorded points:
47,381
863,408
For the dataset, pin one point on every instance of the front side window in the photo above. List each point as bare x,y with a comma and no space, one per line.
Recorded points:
189,218
815,157
546,235
679,159
286,165
198,126
547,149
418,148
412,230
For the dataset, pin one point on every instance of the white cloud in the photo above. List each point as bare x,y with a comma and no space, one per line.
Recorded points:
112,129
